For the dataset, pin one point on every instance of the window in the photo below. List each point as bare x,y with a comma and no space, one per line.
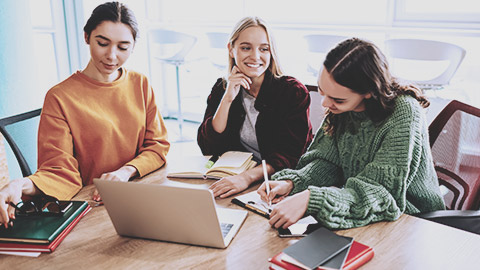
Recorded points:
454,12
50,47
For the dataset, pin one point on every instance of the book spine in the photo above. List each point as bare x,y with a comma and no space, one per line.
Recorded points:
68,221
63,234
359,261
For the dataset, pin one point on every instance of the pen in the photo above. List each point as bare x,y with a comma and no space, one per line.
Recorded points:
265,175
211,161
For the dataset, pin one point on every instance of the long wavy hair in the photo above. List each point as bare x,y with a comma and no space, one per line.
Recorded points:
360,66
245,23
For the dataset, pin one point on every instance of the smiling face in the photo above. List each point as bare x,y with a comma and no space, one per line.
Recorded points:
251,52
338,98
110,46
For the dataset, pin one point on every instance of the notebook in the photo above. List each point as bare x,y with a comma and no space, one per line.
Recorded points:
317,248
228,164
169,213
358,255
41,229
50,247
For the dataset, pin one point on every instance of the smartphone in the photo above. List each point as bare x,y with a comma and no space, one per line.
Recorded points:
298,230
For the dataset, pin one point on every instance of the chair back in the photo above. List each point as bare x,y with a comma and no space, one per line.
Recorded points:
218,43
317,111
427,50
20,132
454,139
218,40
177,45
320,44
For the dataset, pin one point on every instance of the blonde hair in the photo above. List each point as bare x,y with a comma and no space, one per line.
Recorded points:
251,22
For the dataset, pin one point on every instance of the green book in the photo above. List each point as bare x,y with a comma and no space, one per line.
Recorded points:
40,229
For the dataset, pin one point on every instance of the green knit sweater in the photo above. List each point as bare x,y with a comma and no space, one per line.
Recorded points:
374,174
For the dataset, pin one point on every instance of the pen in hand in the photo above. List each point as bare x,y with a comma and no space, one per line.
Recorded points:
267,186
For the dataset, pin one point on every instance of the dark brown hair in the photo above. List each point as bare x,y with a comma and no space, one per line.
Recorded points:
360,66
114,12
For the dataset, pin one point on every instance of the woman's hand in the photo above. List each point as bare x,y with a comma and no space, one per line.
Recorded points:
12,193
290,210
235,81
278,190
228,186
123,175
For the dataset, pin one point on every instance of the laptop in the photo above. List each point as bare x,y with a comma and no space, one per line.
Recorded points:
169,213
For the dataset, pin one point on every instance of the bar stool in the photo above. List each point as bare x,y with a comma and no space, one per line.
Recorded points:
182,44
321,44
432,51
218,41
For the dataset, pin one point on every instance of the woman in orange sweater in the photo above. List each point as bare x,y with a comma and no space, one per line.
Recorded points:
101,122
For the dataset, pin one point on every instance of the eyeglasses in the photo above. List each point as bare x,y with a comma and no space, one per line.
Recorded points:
41,207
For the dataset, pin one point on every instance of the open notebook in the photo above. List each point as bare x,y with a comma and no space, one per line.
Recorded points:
229,164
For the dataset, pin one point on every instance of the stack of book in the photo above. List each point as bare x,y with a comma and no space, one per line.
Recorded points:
322,249
41,233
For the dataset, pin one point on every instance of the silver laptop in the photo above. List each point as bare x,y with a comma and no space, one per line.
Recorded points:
168,213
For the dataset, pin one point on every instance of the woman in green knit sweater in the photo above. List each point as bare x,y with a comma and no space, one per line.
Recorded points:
371,160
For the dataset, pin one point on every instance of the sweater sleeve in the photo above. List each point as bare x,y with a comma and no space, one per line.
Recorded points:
378,192
57,174
152,153
318,166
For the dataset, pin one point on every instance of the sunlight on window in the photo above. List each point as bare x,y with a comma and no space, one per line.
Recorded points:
434,6
315,11
44,50
198,11
41,13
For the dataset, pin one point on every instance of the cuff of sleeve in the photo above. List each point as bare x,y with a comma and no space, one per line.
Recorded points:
60,189
210,132
316,200
146,163
289,174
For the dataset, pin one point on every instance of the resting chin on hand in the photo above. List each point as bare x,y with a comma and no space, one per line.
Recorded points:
123,175
12,193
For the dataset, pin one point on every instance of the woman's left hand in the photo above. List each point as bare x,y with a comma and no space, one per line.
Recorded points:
123,175
289,210
229,186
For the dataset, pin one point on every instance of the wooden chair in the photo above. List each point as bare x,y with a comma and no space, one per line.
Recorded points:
20,132
455,142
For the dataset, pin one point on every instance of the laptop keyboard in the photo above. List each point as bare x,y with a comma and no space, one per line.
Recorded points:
226,227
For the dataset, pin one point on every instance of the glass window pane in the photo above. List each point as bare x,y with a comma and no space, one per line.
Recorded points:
41,13
461,11
434,6
200,11
319,11
46,69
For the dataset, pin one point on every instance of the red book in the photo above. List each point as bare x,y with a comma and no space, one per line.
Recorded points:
24,247
358,255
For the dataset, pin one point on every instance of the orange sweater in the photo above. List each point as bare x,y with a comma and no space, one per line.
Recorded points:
89,127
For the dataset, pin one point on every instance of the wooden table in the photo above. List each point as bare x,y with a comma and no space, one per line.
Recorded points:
408,243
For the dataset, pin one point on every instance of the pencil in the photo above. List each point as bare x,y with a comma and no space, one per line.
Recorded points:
267,186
